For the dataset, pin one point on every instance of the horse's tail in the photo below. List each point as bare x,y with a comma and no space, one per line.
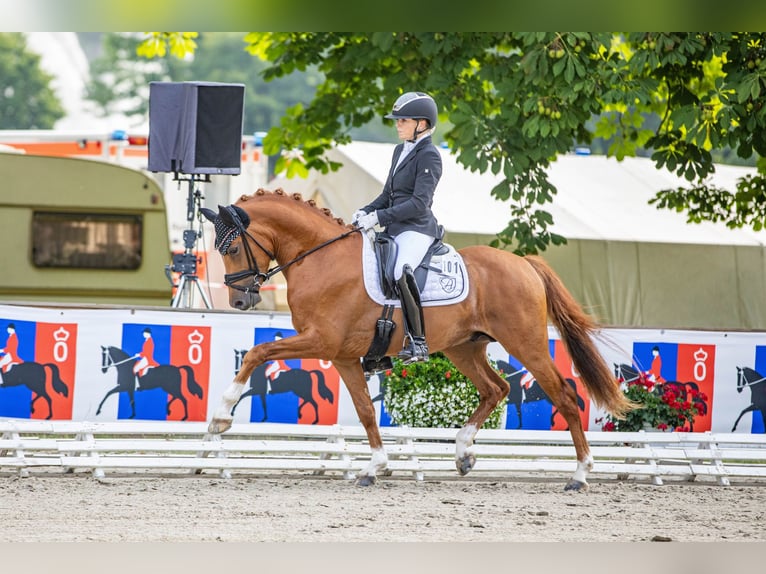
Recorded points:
55,378
324,391
191,383
576,329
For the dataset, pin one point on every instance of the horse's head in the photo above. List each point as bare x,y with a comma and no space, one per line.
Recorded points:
239,355
245,258
106,359
742,378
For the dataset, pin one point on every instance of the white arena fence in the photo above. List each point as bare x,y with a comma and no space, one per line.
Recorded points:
172,447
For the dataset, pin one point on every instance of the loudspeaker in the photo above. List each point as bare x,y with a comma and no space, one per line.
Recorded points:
196,127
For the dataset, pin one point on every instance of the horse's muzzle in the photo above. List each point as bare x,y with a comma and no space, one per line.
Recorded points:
244,301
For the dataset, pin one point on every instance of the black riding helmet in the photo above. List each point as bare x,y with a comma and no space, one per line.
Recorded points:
416,106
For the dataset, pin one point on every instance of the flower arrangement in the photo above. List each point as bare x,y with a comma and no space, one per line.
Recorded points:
662,406
433,394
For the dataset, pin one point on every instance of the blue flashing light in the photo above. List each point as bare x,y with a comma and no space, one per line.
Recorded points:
258,138
582,150
119,135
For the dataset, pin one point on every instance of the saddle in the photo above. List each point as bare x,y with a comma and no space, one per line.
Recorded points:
386,251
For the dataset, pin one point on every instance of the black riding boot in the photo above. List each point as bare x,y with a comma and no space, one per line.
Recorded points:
415,348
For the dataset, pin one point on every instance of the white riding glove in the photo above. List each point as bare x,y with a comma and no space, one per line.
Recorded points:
358,214
368,221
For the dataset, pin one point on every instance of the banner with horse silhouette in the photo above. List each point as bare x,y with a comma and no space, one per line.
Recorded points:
90,364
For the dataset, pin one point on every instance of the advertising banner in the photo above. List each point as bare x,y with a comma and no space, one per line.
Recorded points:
131,364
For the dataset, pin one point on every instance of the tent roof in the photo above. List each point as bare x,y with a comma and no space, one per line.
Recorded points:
598,198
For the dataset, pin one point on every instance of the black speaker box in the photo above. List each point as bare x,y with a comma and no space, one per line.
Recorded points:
196,127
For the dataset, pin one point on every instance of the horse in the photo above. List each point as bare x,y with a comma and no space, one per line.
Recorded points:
36,376
683,390
165,377
320,257
747,377
298,381
518,394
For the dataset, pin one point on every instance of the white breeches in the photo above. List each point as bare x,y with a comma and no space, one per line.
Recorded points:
412,247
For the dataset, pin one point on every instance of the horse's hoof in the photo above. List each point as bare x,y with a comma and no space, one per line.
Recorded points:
576,485
218,426
465,464
365,480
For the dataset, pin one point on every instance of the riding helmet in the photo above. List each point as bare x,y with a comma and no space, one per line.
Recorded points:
414,105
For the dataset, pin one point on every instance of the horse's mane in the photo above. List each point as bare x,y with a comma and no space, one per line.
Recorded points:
281,193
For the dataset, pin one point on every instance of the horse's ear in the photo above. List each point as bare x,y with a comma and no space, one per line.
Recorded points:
225,216
209,214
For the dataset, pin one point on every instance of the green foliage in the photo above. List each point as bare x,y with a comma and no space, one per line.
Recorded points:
26,99
433,394
516,100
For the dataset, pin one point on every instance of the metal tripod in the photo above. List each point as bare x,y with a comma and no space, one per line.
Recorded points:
186,263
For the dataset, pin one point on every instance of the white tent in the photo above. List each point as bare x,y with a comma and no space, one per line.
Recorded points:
626,261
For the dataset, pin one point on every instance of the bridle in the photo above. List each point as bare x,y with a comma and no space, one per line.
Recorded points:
107,354
260,277
745,382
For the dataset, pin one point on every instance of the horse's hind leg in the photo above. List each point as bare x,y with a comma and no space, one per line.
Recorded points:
471,360
564,398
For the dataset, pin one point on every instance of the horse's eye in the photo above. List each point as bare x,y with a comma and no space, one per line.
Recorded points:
233,250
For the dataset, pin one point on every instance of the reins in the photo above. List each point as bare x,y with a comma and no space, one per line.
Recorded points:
260,277
114,364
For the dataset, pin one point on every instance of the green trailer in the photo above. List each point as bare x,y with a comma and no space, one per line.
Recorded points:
81,231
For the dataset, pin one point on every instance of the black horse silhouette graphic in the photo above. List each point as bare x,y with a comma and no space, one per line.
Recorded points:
36,377
166,377
298,381
518,394
747,377
688,390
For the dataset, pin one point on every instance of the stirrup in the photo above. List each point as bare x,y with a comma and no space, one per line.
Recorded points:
416,351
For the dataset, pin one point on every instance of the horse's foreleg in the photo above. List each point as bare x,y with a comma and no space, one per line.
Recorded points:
747,410
106,396
223,417
298,346
353,377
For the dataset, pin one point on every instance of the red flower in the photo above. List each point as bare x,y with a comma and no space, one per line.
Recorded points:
388,373
662,426
447,375
404,373
700,408
608,426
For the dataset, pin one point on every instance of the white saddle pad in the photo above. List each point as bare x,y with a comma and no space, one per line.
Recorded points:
446,283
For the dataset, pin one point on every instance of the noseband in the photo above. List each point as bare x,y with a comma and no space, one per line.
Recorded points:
260,277
252,270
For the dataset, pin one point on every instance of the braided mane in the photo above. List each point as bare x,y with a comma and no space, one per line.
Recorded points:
295,196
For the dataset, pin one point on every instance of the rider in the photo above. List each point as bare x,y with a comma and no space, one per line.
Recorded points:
655,373
11,350
145,357
404,208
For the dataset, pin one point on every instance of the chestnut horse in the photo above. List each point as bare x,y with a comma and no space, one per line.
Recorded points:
510,299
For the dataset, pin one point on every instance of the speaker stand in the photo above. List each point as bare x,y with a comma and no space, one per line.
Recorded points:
186,263
184,296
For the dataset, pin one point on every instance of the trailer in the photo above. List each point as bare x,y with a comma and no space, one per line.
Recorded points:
77,230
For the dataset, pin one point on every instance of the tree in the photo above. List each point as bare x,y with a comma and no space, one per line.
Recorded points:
516,100
26,99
